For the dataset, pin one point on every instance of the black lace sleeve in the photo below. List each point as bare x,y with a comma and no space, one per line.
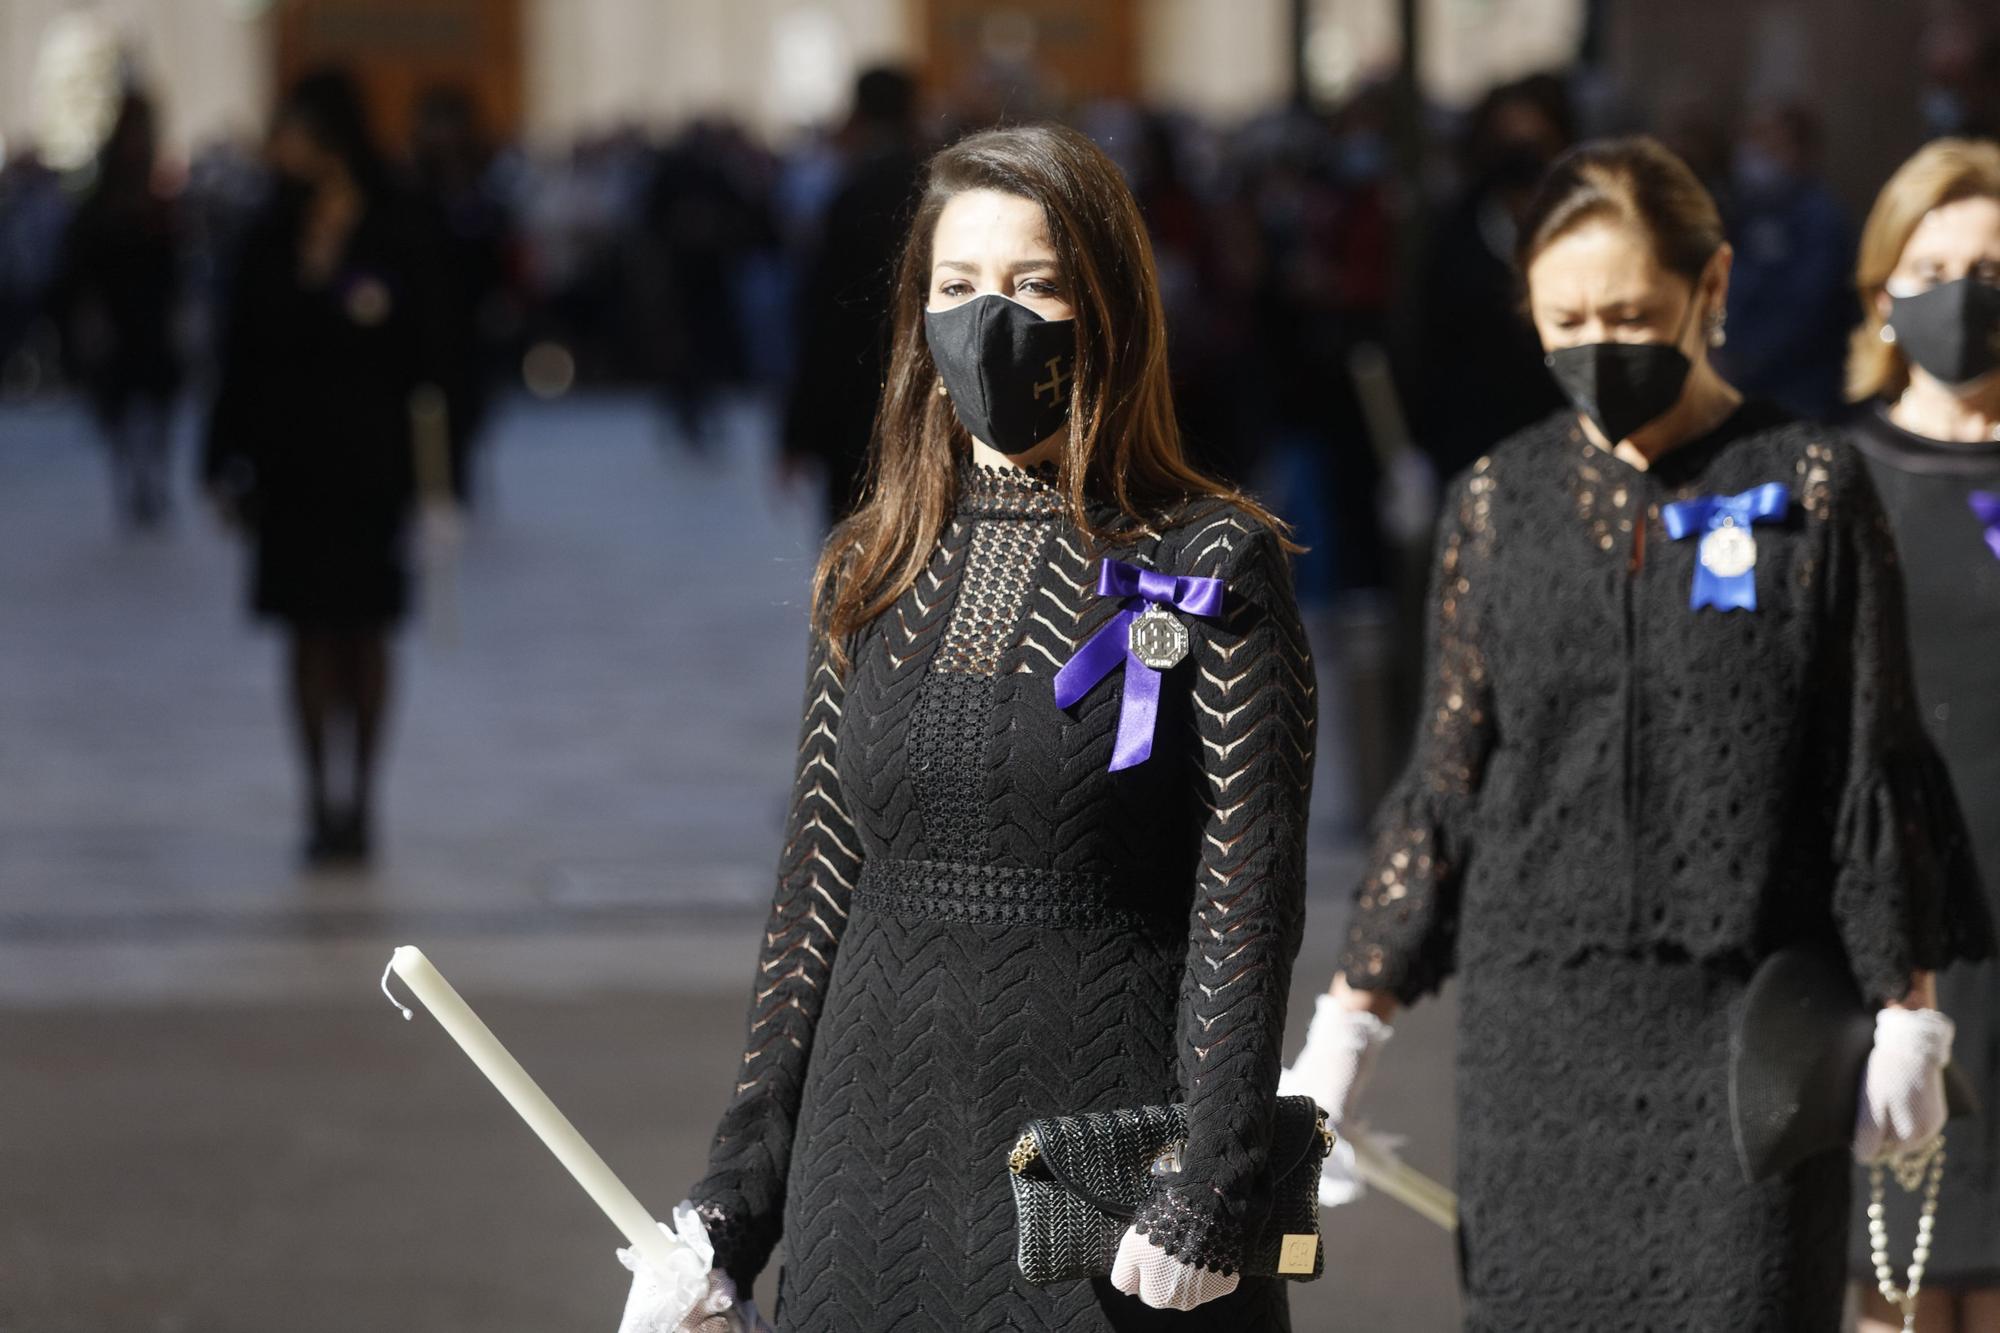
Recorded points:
1255,711
1403,929
741,1199
1906,894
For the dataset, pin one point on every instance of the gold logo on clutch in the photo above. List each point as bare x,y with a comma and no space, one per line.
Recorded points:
1297,1253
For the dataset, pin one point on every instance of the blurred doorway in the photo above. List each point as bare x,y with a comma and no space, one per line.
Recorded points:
400,48
1033,54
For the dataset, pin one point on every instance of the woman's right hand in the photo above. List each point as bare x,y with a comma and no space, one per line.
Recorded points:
1341,1042
659,1301
650,1308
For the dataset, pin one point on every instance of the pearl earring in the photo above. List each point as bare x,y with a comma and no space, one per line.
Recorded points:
1888,334
942,391
1717,333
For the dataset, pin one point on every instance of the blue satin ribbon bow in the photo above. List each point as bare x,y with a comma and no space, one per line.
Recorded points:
1706,514
1139,706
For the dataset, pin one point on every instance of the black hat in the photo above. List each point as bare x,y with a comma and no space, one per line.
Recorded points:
1796,1060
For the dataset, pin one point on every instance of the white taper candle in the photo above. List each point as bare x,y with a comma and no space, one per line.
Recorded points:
534,1106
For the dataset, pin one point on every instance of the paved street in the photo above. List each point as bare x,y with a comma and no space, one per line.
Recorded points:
210,1119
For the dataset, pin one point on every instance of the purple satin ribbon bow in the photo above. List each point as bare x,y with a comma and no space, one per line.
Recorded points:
1987,506
1104,650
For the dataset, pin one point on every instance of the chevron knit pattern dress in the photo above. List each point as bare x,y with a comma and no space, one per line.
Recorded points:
977,924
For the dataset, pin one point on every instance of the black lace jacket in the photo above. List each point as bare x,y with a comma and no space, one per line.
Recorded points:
1598,766
937,782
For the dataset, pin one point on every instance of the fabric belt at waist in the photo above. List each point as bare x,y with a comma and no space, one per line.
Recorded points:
1008,895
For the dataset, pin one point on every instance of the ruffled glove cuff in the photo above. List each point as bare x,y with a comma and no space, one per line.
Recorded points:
691,1296
1202,1238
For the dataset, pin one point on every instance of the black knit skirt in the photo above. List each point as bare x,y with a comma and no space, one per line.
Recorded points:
1599,1186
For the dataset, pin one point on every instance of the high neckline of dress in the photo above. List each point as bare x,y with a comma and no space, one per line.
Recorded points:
988,490
1881,438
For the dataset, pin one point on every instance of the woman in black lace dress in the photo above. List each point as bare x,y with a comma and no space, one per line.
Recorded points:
1669,728
1925,373
992,907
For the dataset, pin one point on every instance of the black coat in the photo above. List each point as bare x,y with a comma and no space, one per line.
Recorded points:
114,300
311,427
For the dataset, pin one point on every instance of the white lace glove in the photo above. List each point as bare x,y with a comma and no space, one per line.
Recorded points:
693,1297
1145,1270
1902,1094
1335,1062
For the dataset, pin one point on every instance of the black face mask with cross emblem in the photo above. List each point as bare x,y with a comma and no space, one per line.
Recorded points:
1008,370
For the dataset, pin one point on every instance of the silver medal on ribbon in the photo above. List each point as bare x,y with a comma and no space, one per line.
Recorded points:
1729,551
1157,638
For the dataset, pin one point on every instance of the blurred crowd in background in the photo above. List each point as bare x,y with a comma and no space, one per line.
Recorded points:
1325,315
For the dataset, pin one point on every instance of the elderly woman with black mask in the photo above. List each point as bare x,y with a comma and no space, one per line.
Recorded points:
1669,731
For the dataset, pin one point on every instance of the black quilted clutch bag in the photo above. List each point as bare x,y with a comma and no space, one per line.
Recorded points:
1079,1179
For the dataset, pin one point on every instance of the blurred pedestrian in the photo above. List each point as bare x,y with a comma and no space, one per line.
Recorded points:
1789,292
1659,743
449,158
1316,271
34,213
328,337
842,325
115,299
1476,373
1925,374
698,223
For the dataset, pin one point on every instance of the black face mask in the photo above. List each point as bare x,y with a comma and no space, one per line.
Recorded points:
1622,386
1008,370
1952,330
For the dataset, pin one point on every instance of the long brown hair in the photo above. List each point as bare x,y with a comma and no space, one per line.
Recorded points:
1123,444
1942,172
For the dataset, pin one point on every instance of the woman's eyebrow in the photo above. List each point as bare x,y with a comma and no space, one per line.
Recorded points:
1018,266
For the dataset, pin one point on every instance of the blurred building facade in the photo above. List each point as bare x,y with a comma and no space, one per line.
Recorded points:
1864,68
551,70
547,71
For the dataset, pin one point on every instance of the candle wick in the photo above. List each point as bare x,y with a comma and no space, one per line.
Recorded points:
385,990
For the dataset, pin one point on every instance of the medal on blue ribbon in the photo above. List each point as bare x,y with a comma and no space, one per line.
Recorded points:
1146,638
1986,505
1725,572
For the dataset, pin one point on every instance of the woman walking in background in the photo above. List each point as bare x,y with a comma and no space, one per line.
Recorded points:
1925,376
327,336
1669,730
114,303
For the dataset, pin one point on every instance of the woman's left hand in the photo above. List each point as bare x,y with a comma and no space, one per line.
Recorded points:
1145,1270
1902,1094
